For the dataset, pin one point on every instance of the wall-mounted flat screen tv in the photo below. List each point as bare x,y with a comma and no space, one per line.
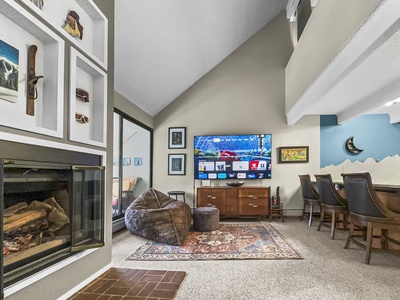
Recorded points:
245,156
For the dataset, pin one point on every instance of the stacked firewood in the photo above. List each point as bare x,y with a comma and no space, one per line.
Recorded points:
25,226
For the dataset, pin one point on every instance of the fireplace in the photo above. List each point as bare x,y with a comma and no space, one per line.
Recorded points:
51,207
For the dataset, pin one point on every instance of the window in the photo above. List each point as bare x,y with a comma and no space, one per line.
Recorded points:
132,156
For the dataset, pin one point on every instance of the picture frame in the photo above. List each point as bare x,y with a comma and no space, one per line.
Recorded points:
176,164
206,183
176,137
126,161
9,59
137,161
295,154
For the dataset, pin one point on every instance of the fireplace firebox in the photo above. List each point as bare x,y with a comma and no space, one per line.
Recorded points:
49,209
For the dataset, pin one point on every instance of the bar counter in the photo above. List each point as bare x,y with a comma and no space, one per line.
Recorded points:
389,194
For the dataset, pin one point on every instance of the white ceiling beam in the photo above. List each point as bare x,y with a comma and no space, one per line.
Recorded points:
380,26
291,8
389,91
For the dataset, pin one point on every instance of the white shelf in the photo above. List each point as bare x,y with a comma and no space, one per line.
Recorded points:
94,22
20,30
84,74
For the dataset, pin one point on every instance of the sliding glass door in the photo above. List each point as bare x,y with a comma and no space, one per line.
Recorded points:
132,162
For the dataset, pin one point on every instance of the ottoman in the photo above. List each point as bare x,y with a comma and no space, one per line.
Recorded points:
206,218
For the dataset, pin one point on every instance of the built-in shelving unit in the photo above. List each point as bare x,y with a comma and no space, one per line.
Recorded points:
21,30
26,24
93,21
85,75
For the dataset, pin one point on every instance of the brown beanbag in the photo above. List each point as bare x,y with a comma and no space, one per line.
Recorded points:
158,217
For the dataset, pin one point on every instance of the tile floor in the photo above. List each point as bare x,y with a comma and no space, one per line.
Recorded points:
132,284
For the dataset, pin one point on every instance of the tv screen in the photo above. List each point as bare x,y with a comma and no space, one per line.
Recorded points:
245,156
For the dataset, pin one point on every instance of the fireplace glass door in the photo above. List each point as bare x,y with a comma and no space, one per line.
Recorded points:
88,208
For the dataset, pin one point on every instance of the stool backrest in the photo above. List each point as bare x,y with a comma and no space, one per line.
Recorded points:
361,196
307,189
327,192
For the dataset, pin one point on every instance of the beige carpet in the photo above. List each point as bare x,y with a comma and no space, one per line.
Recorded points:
328,271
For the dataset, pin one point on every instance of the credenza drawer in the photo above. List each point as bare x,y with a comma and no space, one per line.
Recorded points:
253,193
253,201
232,206
232,192
253,206
253,210
211,201
221,207
211,193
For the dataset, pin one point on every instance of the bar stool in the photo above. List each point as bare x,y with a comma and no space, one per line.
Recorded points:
175,194
310,198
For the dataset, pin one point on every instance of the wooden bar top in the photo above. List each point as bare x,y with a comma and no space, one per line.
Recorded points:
389,194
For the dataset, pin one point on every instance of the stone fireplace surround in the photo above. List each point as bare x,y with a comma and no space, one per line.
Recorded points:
19,152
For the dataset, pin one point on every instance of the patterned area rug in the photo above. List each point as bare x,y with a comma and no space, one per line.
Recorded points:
230,241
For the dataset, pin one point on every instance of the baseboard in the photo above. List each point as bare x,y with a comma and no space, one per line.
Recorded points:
84,283
296,213
118,225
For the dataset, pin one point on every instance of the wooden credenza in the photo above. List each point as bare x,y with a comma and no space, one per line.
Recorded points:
235,201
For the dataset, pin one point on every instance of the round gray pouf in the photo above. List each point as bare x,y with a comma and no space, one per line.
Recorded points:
206,218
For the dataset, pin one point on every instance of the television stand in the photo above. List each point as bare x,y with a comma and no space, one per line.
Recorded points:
243,201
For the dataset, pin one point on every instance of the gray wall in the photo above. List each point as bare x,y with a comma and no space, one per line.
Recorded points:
245,93
132,110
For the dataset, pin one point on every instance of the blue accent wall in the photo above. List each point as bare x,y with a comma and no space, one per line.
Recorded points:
373,133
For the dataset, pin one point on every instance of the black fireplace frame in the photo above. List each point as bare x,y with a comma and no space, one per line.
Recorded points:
14,152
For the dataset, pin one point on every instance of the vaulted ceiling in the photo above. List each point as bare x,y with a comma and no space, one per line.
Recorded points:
163,47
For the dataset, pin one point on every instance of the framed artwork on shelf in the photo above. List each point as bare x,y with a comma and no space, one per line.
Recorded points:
9,63
177,138
295,154
31,73
176,164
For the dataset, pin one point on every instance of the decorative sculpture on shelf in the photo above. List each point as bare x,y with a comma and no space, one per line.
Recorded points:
81,118
82,95
32,80
72,25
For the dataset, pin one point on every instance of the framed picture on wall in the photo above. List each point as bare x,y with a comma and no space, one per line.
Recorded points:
176,164
137,161
177,137
126,161
296,154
